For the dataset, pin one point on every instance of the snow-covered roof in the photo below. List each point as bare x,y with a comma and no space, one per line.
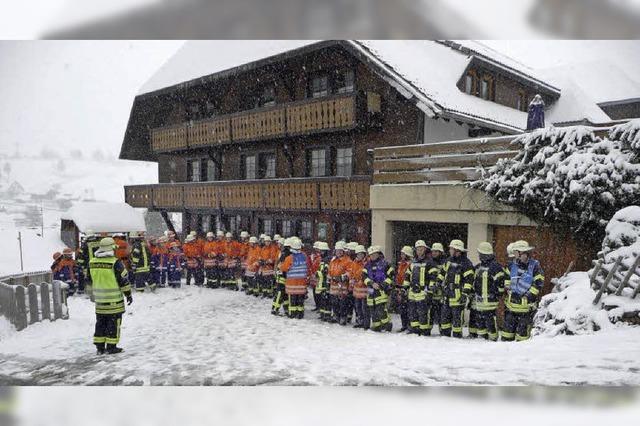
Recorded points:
427,71
105,217
601,80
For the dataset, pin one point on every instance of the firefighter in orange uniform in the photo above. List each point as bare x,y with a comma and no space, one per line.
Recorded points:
244,251
339,284
359,289
230,250
400,291
253,265
193,259
268,258
210,261
314,260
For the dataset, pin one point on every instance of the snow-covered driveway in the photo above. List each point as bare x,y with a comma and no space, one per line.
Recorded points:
202,336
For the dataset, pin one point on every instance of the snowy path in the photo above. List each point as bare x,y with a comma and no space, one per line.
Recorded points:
200,336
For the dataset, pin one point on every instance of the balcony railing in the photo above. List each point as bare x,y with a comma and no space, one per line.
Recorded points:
294,118
299,194
454,161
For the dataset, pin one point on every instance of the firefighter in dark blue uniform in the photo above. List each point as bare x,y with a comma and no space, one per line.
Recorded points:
488,288
456,280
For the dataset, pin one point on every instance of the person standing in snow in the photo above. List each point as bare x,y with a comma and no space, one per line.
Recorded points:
435,294
122,249
314,260
526,279
417,282
253,265
378,276
296,268
339,283
322,283
175,265
266,275
64,269
456,279
141,262
88,247
280,298
193,259
210,261
488,288
399,295
110,288
243,245
359,288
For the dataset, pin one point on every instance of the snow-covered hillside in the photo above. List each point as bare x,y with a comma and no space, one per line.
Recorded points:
36,190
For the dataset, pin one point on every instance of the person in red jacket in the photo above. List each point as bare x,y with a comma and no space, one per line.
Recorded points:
314,260
296,267
210,260
193,259
399,295
266,275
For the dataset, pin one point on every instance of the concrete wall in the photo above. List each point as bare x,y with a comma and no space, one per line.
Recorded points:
438,203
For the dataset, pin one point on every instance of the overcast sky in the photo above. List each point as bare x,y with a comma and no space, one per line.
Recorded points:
77,94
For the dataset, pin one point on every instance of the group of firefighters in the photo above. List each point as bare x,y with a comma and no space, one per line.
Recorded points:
427,286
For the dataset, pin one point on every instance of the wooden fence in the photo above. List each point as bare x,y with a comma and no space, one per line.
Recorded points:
26,299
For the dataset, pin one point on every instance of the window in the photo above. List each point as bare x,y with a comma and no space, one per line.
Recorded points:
250,167
319,86
268,96
344,161
212,170
522,101
306,230
234,224
194,171
470,83
267,166
206,223
317,162
345,81
486,88
266,226
286,228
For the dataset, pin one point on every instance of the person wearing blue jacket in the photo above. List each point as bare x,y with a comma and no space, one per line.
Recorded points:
526,279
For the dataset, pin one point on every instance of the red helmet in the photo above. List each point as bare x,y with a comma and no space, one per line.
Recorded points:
56,255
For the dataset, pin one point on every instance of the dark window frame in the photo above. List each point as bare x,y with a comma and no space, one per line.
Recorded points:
309,167
337,161
243,159
340,81
311,89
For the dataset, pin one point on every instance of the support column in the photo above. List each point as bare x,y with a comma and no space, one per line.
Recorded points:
477,233
382,233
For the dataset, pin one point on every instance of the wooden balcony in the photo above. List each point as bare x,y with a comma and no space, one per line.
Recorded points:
297,194
454,161
312,115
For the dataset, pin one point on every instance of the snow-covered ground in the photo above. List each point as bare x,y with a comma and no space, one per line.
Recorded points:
195,336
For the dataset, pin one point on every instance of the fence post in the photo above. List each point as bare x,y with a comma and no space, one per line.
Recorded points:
628,276
57,300
596,271
21,308
46,301
607,280
34,310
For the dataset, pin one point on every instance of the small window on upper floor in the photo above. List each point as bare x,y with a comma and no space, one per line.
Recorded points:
345,81
471,82
521,102
194,170
317,164
268,97
344,162
249,166
487,91
319,86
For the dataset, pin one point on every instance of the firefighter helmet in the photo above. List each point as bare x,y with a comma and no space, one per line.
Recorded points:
407,250
437,247
360,249
420,243
107,243
485,248
457,245
210,234
253,240
244,234
67,250
339,245
57,255
375,249
522,246
323,246
296,244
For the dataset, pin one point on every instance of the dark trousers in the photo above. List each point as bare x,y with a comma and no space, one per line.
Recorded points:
417,316
324,304
266,285
141,280
196,273
251,284
107,330
296,306
434,310
339,307
483,324
362,313
212,277
380,319
517,325
451,320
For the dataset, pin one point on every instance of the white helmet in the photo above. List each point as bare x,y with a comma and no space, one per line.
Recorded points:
315,244
228,235
276,237
194,233
266,238
322,245
296,244
220,233
210,234
420,243
351,246
253,240
287,241
375,249
190,238
244,234
261,237
360,249
339,245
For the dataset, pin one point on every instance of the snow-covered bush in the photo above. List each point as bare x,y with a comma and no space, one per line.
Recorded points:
567,176
628,134
622,239
570,311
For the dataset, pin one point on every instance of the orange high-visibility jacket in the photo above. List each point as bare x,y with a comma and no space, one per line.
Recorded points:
338,268
253,260
403,265
192,253
209,253
314,265
268,258
358,286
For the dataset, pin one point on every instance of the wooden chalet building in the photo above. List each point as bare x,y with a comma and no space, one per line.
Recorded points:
278,137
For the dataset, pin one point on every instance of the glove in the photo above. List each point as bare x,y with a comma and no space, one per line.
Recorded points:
129,299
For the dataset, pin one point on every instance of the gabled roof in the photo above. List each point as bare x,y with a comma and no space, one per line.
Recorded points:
424,71
105,217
